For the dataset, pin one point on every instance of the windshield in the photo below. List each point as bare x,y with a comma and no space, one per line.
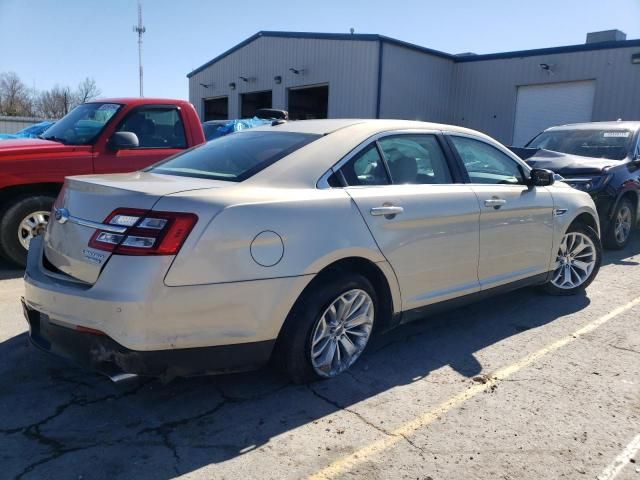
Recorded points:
234,157
606,143
83,124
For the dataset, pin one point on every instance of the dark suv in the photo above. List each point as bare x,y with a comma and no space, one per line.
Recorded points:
601,158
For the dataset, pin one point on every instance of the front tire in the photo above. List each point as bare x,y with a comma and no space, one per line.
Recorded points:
25,218
577,261
617,236
328,328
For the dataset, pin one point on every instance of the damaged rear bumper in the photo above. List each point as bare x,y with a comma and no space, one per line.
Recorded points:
99,352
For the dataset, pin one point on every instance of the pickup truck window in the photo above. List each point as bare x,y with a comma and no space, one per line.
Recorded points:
155,127
83,124
234,157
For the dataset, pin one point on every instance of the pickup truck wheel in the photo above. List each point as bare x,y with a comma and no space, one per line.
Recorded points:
617,236
25,218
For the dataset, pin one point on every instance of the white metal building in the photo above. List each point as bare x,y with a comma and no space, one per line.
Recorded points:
511,96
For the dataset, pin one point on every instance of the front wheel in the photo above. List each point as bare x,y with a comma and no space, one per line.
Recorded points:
25,218
577,261
328,328
617,236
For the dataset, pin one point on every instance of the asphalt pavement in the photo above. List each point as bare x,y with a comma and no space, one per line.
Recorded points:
520,386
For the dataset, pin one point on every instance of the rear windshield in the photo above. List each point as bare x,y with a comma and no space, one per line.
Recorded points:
606,143
234,157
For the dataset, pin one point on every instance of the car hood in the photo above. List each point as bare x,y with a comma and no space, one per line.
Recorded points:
566,164
33,145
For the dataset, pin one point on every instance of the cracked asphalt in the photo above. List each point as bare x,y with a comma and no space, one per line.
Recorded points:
568,414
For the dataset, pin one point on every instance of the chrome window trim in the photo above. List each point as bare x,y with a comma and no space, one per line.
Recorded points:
323,182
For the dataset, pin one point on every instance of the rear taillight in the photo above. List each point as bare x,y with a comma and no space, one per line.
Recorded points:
148,232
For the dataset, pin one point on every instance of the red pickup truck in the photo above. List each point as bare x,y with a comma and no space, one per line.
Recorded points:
105,136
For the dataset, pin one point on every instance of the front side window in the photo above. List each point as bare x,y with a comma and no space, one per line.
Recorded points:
155,127
608,143
365,168
234,157
486,164
83,124
415,159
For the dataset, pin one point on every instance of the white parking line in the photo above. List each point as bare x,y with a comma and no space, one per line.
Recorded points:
621,460
349,461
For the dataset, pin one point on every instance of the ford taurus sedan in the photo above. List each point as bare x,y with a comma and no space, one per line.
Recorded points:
296,242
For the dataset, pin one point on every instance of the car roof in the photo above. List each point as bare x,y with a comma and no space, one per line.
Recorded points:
629,124
327,126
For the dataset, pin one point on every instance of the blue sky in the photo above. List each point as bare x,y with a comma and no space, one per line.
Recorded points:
62,41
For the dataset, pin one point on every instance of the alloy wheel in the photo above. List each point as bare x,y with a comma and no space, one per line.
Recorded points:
575,261
342,333
31,226
622,225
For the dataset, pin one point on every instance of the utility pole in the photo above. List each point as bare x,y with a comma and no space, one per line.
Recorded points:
139,29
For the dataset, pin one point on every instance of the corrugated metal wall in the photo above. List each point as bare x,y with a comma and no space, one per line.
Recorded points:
15,124
349,67
485,92
415,85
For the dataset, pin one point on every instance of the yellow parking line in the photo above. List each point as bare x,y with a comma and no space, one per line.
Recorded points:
361,455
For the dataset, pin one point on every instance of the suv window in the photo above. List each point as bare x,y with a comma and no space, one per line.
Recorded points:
155,127
365,168
485,163
415,159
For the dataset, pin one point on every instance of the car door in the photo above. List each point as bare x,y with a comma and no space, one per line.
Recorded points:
426,224
516,220
160,131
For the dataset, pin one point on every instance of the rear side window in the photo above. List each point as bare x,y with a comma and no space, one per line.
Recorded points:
234,157
365,168
415,159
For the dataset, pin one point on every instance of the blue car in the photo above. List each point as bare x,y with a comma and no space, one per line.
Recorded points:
32,131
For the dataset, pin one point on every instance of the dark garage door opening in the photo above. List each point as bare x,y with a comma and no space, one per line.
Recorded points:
216,108
307,103
252,102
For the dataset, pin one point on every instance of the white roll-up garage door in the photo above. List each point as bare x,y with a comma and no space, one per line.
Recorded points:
543,106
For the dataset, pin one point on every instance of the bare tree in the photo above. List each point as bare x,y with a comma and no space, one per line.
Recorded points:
87,90
15,98
55,103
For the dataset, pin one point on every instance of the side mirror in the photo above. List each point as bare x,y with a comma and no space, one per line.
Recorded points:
123,140
541,177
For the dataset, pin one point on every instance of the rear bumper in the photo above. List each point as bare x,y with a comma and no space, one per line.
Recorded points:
153,329
103,354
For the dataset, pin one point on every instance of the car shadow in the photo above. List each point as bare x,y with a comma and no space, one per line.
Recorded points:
9,271
627,254
53,415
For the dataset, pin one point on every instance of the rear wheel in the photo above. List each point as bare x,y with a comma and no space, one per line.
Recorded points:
25,218
328,328
577,261
623,221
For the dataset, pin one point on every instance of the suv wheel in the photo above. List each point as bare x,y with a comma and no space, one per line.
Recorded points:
620,230
25,218
328,329
577,261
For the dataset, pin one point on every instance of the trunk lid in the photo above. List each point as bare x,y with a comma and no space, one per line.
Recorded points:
92,198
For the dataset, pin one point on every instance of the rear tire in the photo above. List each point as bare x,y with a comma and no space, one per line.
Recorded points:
623,221
297,349
577,261
24,218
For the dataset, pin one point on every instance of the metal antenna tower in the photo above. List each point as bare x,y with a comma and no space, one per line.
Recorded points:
140,29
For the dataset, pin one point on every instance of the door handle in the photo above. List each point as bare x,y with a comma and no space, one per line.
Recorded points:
495,202
389,211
